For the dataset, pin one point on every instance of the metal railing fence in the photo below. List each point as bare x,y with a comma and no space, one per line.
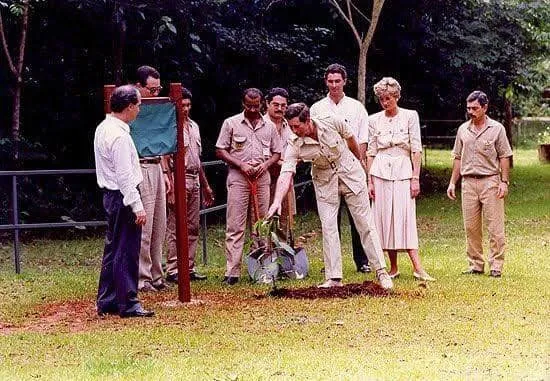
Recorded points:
16,226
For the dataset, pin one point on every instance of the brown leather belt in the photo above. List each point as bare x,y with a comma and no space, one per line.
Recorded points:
153,160
477,176
192,171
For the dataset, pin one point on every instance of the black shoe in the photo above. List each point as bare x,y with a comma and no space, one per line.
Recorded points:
148,287
105,312
172,278
495,273
364,269
472,272
160,286
230,280
137,313
196,276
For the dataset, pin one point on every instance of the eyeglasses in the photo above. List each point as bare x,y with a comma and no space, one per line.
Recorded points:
154,90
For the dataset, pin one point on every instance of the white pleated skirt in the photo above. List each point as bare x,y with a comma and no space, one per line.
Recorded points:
394,214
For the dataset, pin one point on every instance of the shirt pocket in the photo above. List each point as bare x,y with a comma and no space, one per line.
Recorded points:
239,142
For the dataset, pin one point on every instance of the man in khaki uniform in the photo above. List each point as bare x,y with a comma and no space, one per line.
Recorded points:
153,190
249,145
276,101
328,143
195,181
482,157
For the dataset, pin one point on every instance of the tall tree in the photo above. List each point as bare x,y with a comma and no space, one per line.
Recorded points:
15,60
356,19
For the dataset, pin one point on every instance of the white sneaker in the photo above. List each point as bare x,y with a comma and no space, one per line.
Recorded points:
384,279
329,283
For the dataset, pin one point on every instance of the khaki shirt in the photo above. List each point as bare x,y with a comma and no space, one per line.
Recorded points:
331,160
251,145
284,134
391,141
193,147
351,110
479,153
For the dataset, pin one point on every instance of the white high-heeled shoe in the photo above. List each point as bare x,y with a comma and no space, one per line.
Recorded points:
424,276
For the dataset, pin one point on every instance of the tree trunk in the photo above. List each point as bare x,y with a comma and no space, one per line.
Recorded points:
16,123
362,74
364,48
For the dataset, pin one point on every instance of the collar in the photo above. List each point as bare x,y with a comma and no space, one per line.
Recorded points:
246,121
488,123
331,101
119,123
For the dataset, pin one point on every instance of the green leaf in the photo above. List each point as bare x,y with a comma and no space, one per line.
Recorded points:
172,28
198,50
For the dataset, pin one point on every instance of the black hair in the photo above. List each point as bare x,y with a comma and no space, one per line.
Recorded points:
479,96
276,91
144,72
253,93
299,110
336,69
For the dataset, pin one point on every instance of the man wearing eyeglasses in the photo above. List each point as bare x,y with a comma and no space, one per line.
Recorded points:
249,145
276,101
153,194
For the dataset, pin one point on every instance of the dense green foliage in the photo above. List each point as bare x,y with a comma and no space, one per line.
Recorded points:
439,51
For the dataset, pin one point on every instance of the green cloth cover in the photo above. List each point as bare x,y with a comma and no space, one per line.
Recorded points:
154,130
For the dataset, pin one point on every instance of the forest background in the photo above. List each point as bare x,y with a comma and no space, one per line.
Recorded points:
439,50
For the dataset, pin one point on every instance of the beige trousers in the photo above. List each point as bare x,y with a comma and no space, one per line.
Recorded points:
193,208
153,196
358,205
479,200
240,214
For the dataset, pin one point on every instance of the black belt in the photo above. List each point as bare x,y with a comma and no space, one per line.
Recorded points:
477,176
154,160
192,171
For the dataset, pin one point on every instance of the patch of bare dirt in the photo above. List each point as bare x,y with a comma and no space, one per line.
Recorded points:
348,290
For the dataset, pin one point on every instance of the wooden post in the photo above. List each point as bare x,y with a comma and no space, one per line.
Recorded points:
182,238
107,92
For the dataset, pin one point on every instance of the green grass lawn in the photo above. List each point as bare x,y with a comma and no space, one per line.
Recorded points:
460,327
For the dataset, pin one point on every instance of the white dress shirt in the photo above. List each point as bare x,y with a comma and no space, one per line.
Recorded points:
349,109
117,162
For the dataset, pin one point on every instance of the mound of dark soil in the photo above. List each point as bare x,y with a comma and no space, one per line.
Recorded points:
366,288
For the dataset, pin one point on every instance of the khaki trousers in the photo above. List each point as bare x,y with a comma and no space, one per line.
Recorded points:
240,214
358,205
479,200
193,208
153,196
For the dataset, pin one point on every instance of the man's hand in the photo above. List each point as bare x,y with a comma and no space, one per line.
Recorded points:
451,192
502,190
415,188
274,209
248,170
261,169
207,197
167,183
141,218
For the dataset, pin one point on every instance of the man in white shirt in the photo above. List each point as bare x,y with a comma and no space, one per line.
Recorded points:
355,115
118,174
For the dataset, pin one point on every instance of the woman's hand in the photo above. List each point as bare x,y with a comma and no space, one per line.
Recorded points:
415,188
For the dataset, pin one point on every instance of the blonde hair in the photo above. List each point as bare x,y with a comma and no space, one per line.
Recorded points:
388,85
